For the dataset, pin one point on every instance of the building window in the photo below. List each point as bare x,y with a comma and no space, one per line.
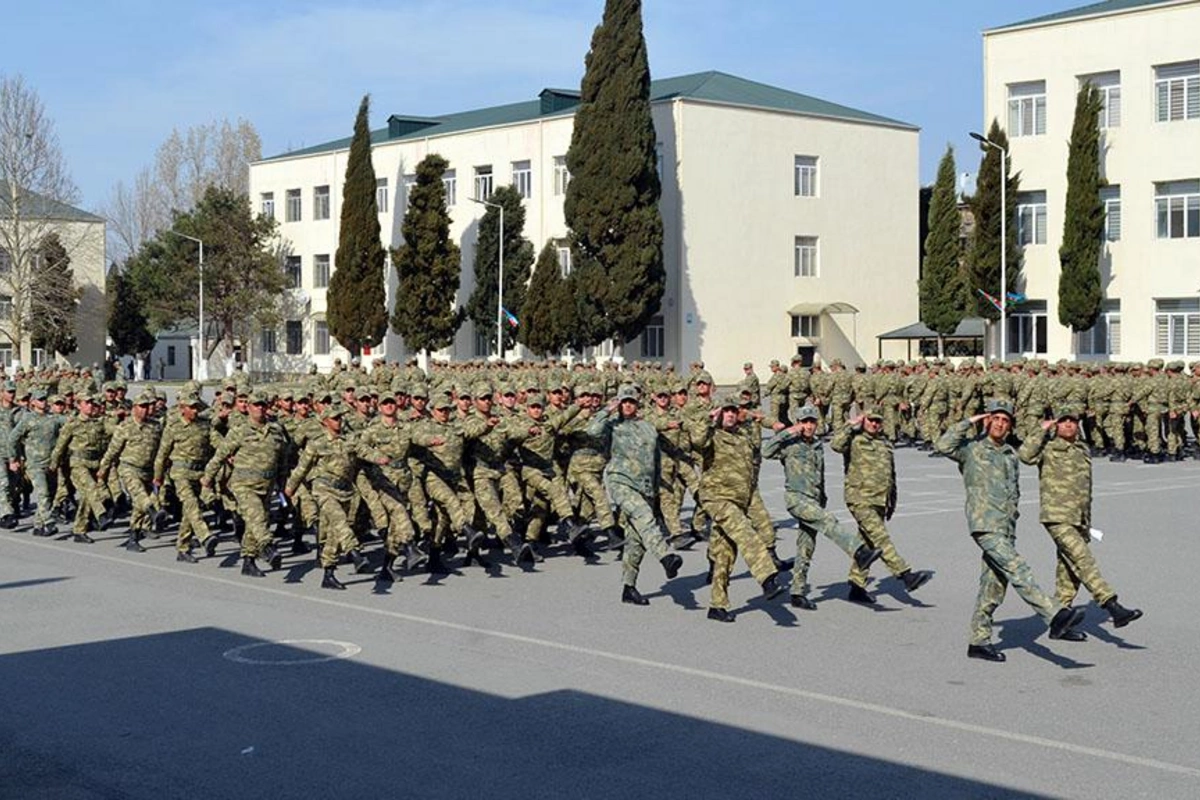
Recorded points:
295,337
170,355
1110,196
561,176
806,256
1177,91
295,276
807,326
381,195
408,182
654,338
806,176
1027,108
321,271
1109,86
1031,218
564,260
321,202
1177,326
268,340
6,355
1027,328
522,178
483,342
321,338
483,182
5,261
6,307
450,184
267,204
39,356
1177,208
292,212
1103,338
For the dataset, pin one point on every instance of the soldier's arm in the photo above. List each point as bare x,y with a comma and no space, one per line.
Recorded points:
115,446
307,458
774,447
228,448
60,446
1033,446
954,441
603,419
165,446
841,439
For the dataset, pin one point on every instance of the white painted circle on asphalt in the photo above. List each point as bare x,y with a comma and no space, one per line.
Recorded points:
246,653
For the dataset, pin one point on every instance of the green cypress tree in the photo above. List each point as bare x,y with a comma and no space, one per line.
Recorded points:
540,329
428,264
126,322
357,303
941,273
611,205
984,260
518,258
53,299
1079,290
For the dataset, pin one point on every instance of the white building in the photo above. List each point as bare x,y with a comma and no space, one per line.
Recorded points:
790,222
1144,55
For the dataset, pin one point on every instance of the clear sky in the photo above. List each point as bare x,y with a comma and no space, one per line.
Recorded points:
118,75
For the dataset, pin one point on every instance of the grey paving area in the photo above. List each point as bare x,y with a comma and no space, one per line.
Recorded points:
133,676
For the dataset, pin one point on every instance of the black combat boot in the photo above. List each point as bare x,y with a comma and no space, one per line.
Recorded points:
475,541
720,614
361,564
272,556
330,581
915,580
414,557
803,601
858,594
250,567
771,588
633,597
83,538
1066,619
239,527
186,557
299,546
210,545
671,564
388,574
986,652
1121,616
781,565
133,543
866,555
435,564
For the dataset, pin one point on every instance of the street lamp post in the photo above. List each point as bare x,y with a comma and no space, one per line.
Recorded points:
500,282
201,361
979,137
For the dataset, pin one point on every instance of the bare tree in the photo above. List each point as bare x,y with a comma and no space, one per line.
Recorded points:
36,197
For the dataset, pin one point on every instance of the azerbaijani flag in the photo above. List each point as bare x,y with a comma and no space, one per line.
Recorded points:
512,320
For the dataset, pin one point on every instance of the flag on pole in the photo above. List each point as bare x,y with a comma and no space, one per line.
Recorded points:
512,320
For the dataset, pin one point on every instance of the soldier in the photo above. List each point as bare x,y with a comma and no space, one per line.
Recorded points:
750,383
33,439
257,451
989,467
777,393
630,476
1065,478
132,450
725,493
9,414
332,460
83,441
870,491
585,466
184,452
804,490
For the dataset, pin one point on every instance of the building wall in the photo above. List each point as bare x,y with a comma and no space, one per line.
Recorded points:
724,203
1140,267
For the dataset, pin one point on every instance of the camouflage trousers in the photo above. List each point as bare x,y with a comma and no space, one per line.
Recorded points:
136,482
452,499
933,422
91,495
873,529
43,493
642,530
1002,565
1115,422
6,477
253,506
1176,432
812,520
733,532
335,522
760,518
1076,564
688,480
365,493
192,526
488,494
1153,431
544,494
670,497
592,499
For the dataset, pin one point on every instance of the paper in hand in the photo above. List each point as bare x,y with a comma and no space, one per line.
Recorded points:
1096,534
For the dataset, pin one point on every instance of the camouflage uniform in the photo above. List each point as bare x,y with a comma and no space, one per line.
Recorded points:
32,440
183,454
132,449
83,441
9,414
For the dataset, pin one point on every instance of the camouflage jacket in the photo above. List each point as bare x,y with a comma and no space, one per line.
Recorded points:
1065,476
84,440
727,466
803,465
633,452
257,452
34,435
331,463
186,447
990,475
133,445
870,468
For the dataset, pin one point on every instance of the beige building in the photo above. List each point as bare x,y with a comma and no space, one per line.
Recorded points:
83,237
1144,56
790,222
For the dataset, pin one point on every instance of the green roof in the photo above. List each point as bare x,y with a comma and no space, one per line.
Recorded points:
1090,10
36,206
713,87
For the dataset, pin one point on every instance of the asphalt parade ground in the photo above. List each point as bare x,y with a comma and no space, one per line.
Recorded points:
134,676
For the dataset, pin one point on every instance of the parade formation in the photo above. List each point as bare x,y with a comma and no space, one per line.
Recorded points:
495,462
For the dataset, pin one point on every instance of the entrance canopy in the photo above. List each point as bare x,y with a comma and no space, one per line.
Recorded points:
817,309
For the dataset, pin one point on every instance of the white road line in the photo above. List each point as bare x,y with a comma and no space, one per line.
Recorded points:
678,669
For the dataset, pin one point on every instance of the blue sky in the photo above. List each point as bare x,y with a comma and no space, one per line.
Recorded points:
117,76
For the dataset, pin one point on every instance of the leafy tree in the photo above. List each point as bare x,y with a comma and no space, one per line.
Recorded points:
54,299
611,205
427,264
942,289
1079,290
243,270
580,310
357,312
984,259
518,258
541,327
126,323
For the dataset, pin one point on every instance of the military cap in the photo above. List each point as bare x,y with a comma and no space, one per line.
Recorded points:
535,399
92,397
729,401
119,384
1000,407
255,397
349,386
1154,363
748,365
193,400
807,412
462,390
287,394
482,389
420,390
774,363
797,359
628,392
56,398
1066,411
873,412
1175,366
146,397
443,399
702,377
10,386
334,411
837,362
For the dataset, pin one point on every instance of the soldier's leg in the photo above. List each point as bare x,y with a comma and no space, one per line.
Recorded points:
41,496
252,507
737,527
806,545
873,530
642,533
446,499
670,500
370,496
1114,426
1080,565
592,487
487,498
991,594
191,522
721,552
1000,551
139,497
91,503
551,489
890,422
400,530
760,518
418,508
339,535
512,494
